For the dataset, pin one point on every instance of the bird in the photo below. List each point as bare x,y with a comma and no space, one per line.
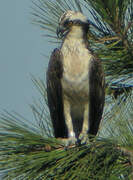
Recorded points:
75,82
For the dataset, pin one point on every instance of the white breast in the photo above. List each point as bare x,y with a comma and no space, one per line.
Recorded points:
76,61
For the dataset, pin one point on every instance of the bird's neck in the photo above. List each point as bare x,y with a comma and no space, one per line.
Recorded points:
76,32
75,42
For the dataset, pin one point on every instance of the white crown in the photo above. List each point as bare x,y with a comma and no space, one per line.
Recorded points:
72,15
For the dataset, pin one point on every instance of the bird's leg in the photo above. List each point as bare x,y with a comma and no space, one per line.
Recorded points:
71,134
83,137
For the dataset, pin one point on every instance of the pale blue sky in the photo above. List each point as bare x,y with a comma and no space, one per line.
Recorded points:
21,49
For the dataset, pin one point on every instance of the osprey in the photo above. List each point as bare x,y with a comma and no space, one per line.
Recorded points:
75,82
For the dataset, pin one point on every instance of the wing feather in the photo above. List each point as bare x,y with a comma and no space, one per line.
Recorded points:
54,94
97,94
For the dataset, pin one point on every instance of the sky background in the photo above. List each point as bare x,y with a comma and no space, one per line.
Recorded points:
21,54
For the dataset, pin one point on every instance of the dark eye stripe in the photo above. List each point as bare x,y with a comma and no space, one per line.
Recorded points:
66,22
79,22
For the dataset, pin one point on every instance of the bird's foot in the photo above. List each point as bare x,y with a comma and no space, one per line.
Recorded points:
69,142
83,138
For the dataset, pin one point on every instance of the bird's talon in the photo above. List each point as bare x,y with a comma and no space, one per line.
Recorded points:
69,141
83,138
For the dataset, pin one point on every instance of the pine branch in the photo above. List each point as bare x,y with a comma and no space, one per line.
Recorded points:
30,152
30,156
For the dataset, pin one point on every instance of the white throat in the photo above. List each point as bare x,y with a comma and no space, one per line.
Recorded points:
76,32
74,43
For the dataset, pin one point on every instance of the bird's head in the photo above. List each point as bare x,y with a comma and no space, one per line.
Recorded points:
70,19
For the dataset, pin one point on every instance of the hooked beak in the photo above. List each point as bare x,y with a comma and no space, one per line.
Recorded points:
61,31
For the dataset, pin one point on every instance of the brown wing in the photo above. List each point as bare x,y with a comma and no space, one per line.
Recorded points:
97,95
54,94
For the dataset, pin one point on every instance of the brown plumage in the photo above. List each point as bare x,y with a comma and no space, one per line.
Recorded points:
75,82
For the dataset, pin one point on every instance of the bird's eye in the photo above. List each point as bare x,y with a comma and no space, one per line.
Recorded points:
70,23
